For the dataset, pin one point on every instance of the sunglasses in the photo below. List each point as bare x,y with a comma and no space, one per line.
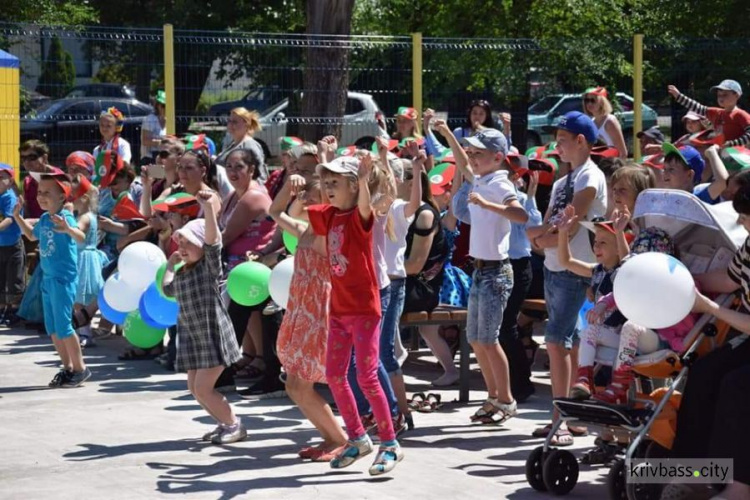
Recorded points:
30,157
164,154
479,102
590,100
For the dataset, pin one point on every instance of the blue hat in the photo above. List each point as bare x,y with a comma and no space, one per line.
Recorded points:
7,168
579,123
488,138
732,85
689,155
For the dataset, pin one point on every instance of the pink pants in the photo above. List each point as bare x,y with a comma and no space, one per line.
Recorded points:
362,332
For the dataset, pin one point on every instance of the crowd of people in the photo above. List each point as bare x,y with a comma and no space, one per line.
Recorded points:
427,216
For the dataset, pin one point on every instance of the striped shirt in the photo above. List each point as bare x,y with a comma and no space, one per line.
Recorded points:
739,272
734,124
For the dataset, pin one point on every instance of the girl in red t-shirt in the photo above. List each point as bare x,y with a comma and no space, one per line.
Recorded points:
347,224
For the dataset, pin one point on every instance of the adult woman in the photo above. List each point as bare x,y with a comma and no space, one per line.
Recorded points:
154,127
597,106
169,152
479,115
34,158
241,126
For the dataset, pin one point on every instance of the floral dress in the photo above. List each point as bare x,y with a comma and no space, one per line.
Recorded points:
456,283
301,345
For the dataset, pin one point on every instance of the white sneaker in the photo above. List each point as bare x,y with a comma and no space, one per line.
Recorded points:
354,450
386,459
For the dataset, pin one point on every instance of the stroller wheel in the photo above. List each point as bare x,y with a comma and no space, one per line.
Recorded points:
534,468
560,472
641,491
616,480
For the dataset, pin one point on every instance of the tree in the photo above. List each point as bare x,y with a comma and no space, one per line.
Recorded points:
58,72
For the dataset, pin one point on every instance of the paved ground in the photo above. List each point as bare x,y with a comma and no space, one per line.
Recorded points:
132,432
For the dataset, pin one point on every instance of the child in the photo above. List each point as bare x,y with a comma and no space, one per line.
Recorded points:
113,151
80,163
488,201
683,168
12,255
207,343
585,188
694,124
57,232
728,120
91,260
347,224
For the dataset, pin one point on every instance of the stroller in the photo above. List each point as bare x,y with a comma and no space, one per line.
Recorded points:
707,238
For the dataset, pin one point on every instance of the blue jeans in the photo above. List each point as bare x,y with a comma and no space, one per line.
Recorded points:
564,294
389,326
488,297
363,406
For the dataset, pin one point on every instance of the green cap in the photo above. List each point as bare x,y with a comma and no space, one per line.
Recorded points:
736,158
161,97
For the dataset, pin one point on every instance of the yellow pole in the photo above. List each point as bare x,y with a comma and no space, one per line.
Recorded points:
637,94
169,78
416,72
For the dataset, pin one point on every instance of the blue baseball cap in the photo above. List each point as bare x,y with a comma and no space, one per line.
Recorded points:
4,167
576,123
689,155
732,85
488,138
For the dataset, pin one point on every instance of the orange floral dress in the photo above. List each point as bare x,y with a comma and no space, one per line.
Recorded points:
303,336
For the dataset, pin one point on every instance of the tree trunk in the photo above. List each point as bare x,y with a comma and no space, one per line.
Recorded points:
326,73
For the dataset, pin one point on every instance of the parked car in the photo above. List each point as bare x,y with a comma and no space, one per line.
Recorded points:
67,125
547,111
256,99
101,90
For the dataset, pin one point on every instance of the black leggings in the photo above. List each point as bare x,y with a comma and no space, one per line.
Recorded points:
715,409
518,363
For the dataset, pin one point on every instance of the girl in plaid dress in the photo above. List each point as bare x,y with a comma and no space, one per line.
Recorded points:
206,342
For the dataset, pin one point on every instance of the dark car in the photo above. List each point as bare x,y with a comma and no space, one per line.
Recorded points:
101,90
256,99
68,125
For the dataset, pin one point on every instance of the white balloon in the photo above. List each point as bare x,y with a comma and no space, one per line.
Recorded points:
121,295
139,262
280,282
654,290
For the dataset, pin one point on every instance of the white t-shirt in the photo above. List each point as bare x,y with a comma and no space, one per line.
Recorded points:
396,250
123,149
378,251
490,235
585,176
151,124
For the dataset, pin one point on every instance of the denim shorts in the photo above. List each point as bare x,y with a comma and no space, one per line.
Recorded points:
488,297
564,294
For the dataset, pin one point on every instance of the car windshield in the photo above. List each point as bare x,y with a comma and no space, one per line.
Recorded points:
47,110
544,105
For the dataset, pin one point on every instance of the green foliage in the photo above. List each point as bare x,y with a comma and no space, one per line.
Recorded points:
50,12
58,73
114,73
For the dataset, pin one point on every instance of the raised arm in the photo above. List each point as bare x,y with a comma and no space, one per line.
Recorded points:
205,198
721,175
418,165
277,211
364,201
687,102
462,160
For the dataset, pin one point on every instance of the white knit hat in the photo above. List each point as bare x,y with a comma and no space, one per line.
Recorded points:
194,231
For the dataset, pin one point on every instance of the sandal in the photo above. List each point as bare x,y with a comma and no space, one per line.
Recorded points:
542,432
484,411
138,354
430,404
416,401
578,431
562,438
500,412
77,321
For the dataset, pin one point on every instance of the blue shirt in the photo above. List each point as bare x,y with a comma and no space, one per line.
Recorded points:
520,246
58,252
11,235
701,191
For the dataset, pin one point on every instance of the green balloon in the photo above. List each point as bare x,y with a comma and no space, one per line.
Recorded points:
290,241
160,278
247,284
139,333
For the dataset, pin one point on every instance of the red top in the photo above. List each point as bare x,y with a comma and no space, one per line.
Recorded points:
729,123
349,241
33,210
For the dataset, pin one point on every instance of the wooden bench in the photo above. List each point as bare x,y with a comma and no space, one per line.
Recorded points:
445,316
534,305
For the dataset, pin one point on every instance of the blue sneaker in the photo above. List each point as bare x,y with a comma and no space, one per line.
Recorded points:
354,450
389,454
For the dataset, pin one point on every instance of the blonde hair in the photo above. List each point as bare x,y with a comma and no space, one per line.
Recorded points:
605,107
306,148
637,176
251,118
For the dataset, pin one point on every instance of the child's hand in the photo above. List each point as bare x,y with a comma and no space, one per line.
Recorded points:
477,199
505,118
703,304
427,117
61,224
442,128
105,223
174,259
412,149
19,206
365,168
418,161
204,197
621,219
595,315
382,143
296,184
673,91
567,219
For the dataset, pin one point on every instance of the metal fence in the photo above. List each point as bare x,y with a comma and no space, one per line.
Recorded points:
217,71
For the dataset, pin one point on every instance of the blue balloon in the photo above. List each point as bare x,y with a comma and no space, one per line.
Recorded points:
159,308
148,319
588,305
115,317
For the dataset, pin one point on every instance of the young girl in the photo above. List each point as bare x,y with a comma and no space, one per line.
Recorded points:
347,224
206,340
91,260
302,339
58,233
113,151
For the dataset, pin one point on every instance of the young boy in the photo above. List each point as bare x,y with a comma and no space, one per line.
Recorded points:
728,120
488,201
683,167
585,188
12,254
